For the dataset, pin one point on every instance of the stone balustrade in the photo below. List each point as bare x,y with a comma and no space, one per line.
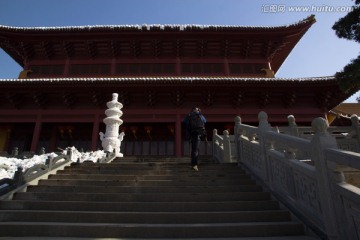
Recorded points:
307,174
36,172
22,178
223,147
347,137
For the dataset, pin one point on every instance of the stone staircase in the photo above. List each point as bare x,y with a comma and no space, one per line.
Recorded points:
158,199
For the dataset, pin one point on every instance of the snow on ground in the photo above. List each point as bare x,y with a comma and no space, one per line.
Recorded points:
8,166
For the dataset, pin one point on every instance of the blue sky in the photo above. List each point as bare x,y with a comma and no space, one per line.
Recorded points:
319,53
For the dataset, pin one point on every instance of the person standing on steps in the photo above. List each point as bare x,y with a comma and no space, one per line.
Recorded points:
195,130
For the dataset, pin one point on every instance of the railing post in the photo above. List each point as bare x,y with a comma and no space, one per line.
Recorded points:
19,177
49,162
226,147
15,152
264,127
215,147
355,131
237,134
292,127
70,153
321,141
214,139
42,151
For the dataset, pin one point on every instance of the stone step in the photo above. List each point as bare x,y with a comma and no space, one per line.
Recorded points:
153,166
154,199
116,230
147,177
138,182
186,171
296,237
143,197
149,189
160,159
143,217
176,206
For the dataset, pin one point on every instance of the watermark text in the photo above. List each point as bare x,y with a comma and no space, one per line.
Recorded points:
282,8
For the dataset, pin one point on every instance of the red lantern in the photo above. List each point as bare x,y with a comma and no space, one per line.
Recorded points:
61,130
134,129
123,129
229,127
70,130
171,128
148,130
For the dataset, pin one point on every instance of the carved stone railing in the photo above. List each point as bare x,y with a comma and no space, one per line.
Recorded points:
108,158
15,154
317,193
223,147
22,178
347,137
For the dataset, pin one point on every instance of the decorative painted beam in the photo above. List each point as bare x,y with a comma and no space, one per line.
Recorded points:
202,48
151,97
27,50
123,97
238,98
157,48
69,99
47,49
289,99
15,99
264,99
178,97
114,48
226,48
92,49
68,49
246,48
208,98
40,99
136,50
97,98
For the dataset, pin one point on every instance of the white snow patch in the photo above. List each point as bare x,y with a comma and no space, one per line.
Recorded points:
8,166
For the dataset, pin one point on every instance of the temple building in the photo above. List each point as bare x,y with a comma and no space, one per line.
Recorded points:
159,72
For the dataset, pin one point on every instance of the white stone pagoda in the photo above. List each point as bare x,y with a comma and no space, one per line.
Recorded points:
111,140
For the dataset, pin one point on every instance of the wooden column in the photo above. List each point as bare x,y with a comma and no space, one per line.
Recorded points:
227,67
95,133
67,67
113,67
36,134
178,66
53,139
178,142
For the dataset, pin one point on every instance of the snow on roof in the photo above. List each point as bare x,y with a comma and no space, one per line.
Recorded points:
153,27
149,79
